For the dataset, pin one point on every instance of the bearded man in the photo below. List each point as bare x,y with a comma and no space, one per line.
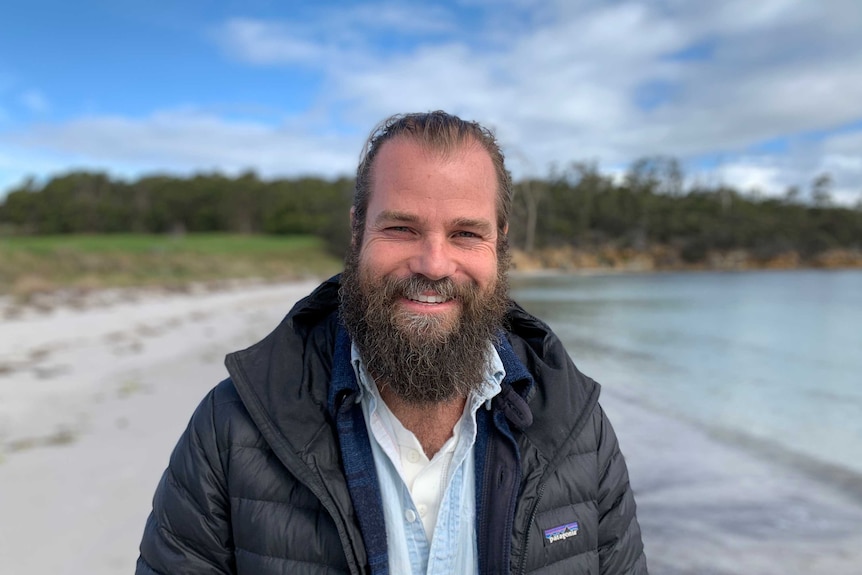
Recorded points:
406,417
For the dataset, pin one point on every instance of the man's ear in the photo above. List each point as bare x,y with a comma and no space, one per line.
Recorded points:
506,229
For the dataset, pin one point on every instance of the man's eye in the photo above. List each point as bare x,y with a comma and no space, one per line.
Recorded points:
464,234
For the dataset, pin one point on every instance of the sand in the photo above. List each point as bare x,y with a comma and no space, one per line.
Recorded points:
93,398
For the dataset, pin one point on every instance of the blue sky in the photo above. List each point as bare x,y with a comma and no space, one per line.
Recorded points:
760,95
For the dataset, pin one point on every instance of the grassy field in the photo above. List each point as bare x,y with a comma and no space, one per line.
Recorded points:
39,264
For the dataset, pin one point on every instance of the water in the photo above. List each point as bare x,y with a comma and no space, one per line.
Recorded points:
770,357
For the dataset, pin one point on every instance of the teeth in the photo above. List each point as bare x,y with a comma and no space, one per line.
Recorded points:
428,298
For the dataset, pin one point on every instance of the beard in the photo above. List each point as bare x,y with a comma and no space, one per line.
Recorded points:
423,358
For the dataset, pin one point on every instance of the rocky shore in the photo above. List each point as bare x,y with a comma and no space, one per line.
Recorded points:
667,258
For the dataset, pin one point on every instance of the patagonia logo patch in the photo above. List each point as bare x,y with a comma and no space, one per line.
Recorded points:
562,532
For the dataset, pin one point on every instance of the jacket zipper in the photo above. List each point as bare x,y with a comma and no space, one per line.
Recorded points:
513,497
483,516
522,569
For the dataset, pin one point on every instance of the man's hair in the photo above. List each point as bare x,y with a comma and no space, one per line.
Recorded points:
439,132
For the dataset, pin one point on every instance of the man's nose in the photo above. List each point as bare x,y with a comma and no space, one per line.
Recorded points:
433,259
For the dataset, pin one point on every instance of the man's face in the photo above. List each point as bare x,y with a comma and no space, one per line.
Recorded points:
433,217
425,293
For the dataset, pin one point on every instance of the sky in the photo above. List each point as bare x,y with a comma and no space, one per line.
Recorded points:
758,95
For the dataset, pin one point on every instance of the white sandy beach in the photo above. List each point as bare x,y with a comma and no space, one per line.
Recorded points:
92,401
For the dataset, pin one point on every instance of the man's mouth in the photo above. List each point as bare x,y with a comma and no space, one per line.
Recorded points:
428,298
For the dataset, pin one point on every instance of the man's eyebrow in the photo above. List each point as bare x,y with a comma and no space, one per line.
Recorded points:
395,216
472,223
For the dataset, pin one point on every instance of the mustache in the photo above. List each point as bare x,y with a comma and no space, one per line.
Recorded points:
416,285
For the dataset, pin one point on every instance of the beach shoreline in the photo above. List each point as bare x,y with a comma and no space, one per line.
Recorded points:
93,398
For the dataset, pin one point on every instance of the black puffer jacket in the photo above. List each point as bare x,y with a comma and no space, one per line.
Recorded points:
256,484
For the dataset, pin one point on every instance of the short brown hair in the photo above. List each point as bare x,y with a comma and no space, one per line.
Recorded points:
438,131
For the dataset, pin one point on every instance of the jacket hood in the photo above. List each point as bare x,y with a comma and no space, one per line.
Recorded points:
282,379
563,395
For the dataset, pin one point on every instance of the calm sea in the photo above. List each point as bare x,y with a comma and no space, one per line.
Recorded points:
770,357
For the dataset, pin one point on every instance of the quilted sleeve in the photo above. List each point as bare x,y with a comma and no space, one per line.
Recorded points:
188,531
620,546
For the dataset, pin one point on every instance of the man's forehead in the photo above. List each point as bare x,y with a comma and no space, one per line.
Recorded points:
434,150
403,151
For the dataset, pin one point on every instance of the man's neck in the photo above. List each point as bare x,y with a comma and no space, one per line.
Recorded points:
432,424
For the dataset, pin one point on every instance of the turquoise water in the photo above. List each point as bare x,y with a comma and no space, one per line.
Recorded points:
771,356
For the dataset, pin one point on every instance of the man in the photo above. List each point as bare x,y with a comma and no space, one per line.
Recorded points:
405,417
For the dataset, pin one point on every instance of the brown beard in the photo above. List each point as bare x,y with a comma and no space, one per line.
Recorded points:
422,358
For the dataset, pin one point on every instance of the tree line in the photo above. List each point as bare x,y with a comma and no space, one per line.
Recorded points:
83,202
577,206
651,205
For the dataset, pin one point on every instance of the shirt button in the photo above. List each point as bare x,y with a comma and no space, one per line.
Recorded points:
410,516
413,456
423,509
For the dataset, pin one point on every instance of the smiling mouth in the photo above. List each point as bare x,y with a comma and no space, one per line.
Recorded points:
428,298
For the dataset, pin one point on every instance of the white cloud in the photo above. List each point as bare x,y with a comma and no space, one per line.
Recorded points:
389,16
35,101
566,87
336,35
259,42
753,175
840,156
185,141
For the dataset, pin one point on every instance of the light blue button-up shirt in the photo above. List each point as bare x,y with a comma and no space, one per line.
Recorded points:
452,548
